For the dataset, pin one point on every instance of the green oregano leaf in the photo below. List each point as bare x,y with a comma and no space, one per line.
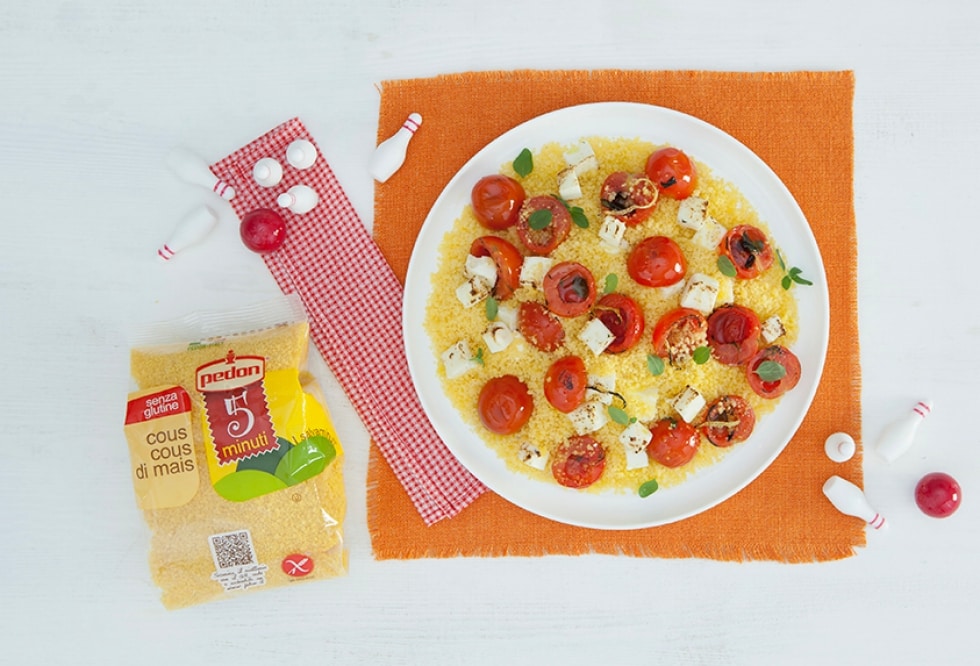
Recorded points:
524,163
618,415
726,266
539,219
579,217
492,307
770,371
798,279
782,264
648,488
787,282
612,281
479,356
701,355
655,365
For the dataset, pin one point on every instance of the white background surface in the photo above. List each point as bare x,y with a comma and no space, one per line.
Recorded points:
93,95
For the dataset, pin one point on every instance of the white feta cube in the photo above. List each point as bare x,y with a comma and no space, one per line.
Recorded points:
481,267
601,388
692,213
634,439
533,271
588,417
644,403
473,291
532,456
582,158
498,336
458,360
507,315
689,403
709,235
772,329
700,293
596,336
568,185
611,233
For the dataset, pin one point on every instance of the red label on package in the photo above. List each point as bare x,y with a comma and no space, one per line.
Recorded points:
236,407
174,400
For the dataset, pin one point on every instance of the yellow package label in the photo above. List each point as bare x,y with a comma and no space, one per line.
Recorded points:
161,447
262,432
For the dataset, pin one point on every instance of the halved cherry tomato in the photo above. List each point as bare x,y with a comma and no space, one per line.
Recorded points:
497,201
543,240
578,462
678,333
541,328
508,260
505,404
656,261
729,420
673,172
629,197
569,289
776,387
733,333
749,250
624,319
565,383
674,442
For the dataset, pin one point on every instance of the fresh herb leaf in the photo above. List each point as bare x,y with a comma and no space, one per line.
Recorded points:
782,264
618,415
539,219
648,488
726,266
770,371
798,279
612,281
479,356
524,163
492,307
701,355
655,365
787,282
579,217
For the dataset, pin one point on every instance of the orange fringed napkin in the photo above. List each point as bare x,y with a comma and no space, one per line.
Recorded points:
800,123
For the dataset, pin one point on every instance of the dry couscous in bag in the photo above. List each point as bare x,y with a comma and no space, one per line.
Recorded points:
236,464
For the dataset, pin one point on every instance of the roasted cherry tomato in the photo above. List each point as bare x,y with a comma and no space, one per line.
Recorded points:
749,250
729,420
540,233
624,319
678,333
656,261
674,442
565,383
505,404
578,462
629,197
673,172
497,201
757,373
508,260
541,328
569,289
733,333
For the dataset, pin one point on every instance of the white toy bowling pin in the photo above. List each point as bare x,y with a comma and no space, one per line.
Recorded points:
850,500
301,154
897,436
299,198
189,231
192,169
840,447
267,172
390,153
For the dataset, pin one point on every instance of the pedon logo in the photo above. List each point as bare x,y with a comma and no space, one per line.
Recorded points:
230,372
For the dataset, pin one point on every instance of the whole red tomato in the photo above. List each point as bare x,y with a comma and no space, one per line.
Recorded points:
497,200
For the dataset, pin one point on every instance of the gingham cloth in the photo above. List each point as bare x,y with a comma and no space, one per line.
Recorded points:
353,301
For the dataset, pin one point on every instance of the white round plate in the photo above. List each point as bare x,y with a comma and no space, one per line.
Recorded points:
728,159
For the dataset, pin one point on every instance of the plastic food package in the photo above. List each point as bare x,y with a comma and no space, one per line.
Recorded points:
236,464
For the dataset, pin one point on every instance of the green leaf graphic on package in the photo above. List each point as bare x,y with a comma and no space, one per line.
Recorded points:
287,465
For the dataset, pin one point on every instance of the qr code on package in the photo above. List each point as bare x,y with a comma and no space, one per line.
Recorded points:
232,549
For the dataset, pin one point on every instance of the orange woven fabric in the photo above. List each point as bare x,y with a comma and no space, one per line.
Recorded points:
800,123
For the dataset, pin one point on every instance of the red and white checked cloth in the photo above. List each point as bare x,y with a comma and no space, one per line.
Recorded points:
353,301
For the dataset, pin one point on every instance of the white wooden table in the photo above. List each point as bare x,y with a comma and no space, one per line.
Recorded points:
93,95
